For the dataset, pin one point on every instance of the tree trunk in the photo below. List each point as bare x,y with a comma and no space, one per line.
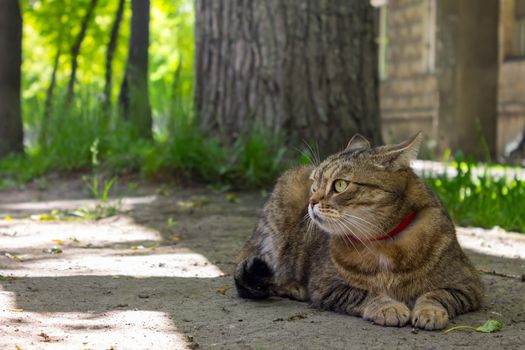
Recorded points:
48,108
305,68
75,50
134,98
11,132
112,45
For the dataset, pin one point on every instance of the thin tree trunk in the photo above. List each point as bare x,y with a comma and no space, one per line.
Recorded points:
112,45
134,98
11,131
305,68
175,87
49,97
75,50
48,107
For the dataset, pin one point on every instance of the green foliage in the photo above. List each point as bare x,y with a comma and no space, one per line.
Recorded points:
84,137
52,25
94,187
481,200
245,164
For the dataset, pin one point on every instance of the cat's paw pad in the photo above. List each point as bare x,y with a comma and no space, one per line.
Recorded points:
387,314
429,316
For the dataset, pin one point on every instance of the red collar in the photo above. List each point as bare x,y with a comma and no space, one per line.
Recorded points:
404,223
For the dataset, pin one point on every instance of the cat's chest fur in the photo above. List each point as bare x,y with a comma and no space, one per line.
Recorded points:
379,270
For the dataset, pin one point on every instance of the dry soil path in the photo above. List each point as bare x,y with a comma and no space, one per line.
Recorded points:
157,276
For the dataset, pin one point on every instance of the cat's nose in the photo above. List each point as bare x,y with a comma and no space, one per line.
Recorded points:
313,202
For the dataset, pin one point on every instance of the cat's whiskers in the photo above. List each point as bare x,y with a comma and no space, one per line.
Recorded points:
358,226
364,228
314,157
379,228
360,231
309,226
309,230
363,241
345,237
345,223
350,237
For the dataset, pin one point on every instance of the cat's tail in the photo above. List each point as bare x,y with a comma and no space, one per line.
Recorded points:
253,278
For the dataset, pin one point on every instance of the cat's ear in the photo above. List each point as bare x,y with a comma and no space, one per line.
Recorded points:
398,156
357,142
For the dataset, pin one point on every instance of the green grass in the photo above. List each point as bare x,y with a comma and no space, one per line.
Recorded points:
83,138
482,200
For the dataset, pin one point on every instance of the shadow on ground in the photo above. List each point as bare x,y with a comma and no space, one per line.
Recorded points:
100,293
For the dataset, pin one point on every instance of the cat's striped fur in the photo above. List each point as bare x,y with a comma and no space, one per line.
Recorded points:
315,244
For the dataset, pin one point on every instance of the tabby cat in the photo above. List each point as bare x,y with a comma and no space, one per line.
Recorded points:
361,234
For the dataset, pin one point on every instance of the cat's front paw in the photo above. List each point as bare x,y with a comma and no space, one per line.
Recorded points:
429,316
387,312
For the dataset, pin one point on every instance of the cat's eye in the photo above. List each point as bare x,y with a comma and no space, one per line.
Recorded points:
340,185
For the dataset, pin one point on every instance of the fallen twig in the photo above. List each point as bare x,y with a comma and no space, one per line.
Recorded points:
500,274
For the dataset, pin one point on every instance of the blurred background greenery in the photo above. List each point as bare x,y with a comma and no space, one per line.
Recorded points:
72,118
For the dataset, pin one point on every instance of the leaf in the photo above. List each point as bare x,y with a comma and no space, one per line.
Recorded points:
231,197
171,222
58,241
152,245
194,202
18,310
175,237
137,247
223,290
7,278
187,204
204,200
54,250
8,218
43,217
490,326
13,257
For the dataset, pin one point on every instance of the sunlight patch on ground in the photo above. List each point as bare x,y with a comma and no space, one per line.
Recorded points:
7,302
24,234
73,330
70,204
168,262
495,242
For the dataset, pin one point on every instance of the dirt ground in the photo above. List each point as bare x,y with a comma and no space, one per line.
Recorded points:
157,276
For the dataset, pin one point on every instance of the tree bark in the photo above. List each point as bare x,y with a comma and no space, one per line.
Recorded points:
305,68
112,45
11,131
75,50
134,96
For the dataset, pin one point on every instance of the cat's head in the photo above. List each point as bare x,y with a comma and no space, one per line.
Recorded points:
358,191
